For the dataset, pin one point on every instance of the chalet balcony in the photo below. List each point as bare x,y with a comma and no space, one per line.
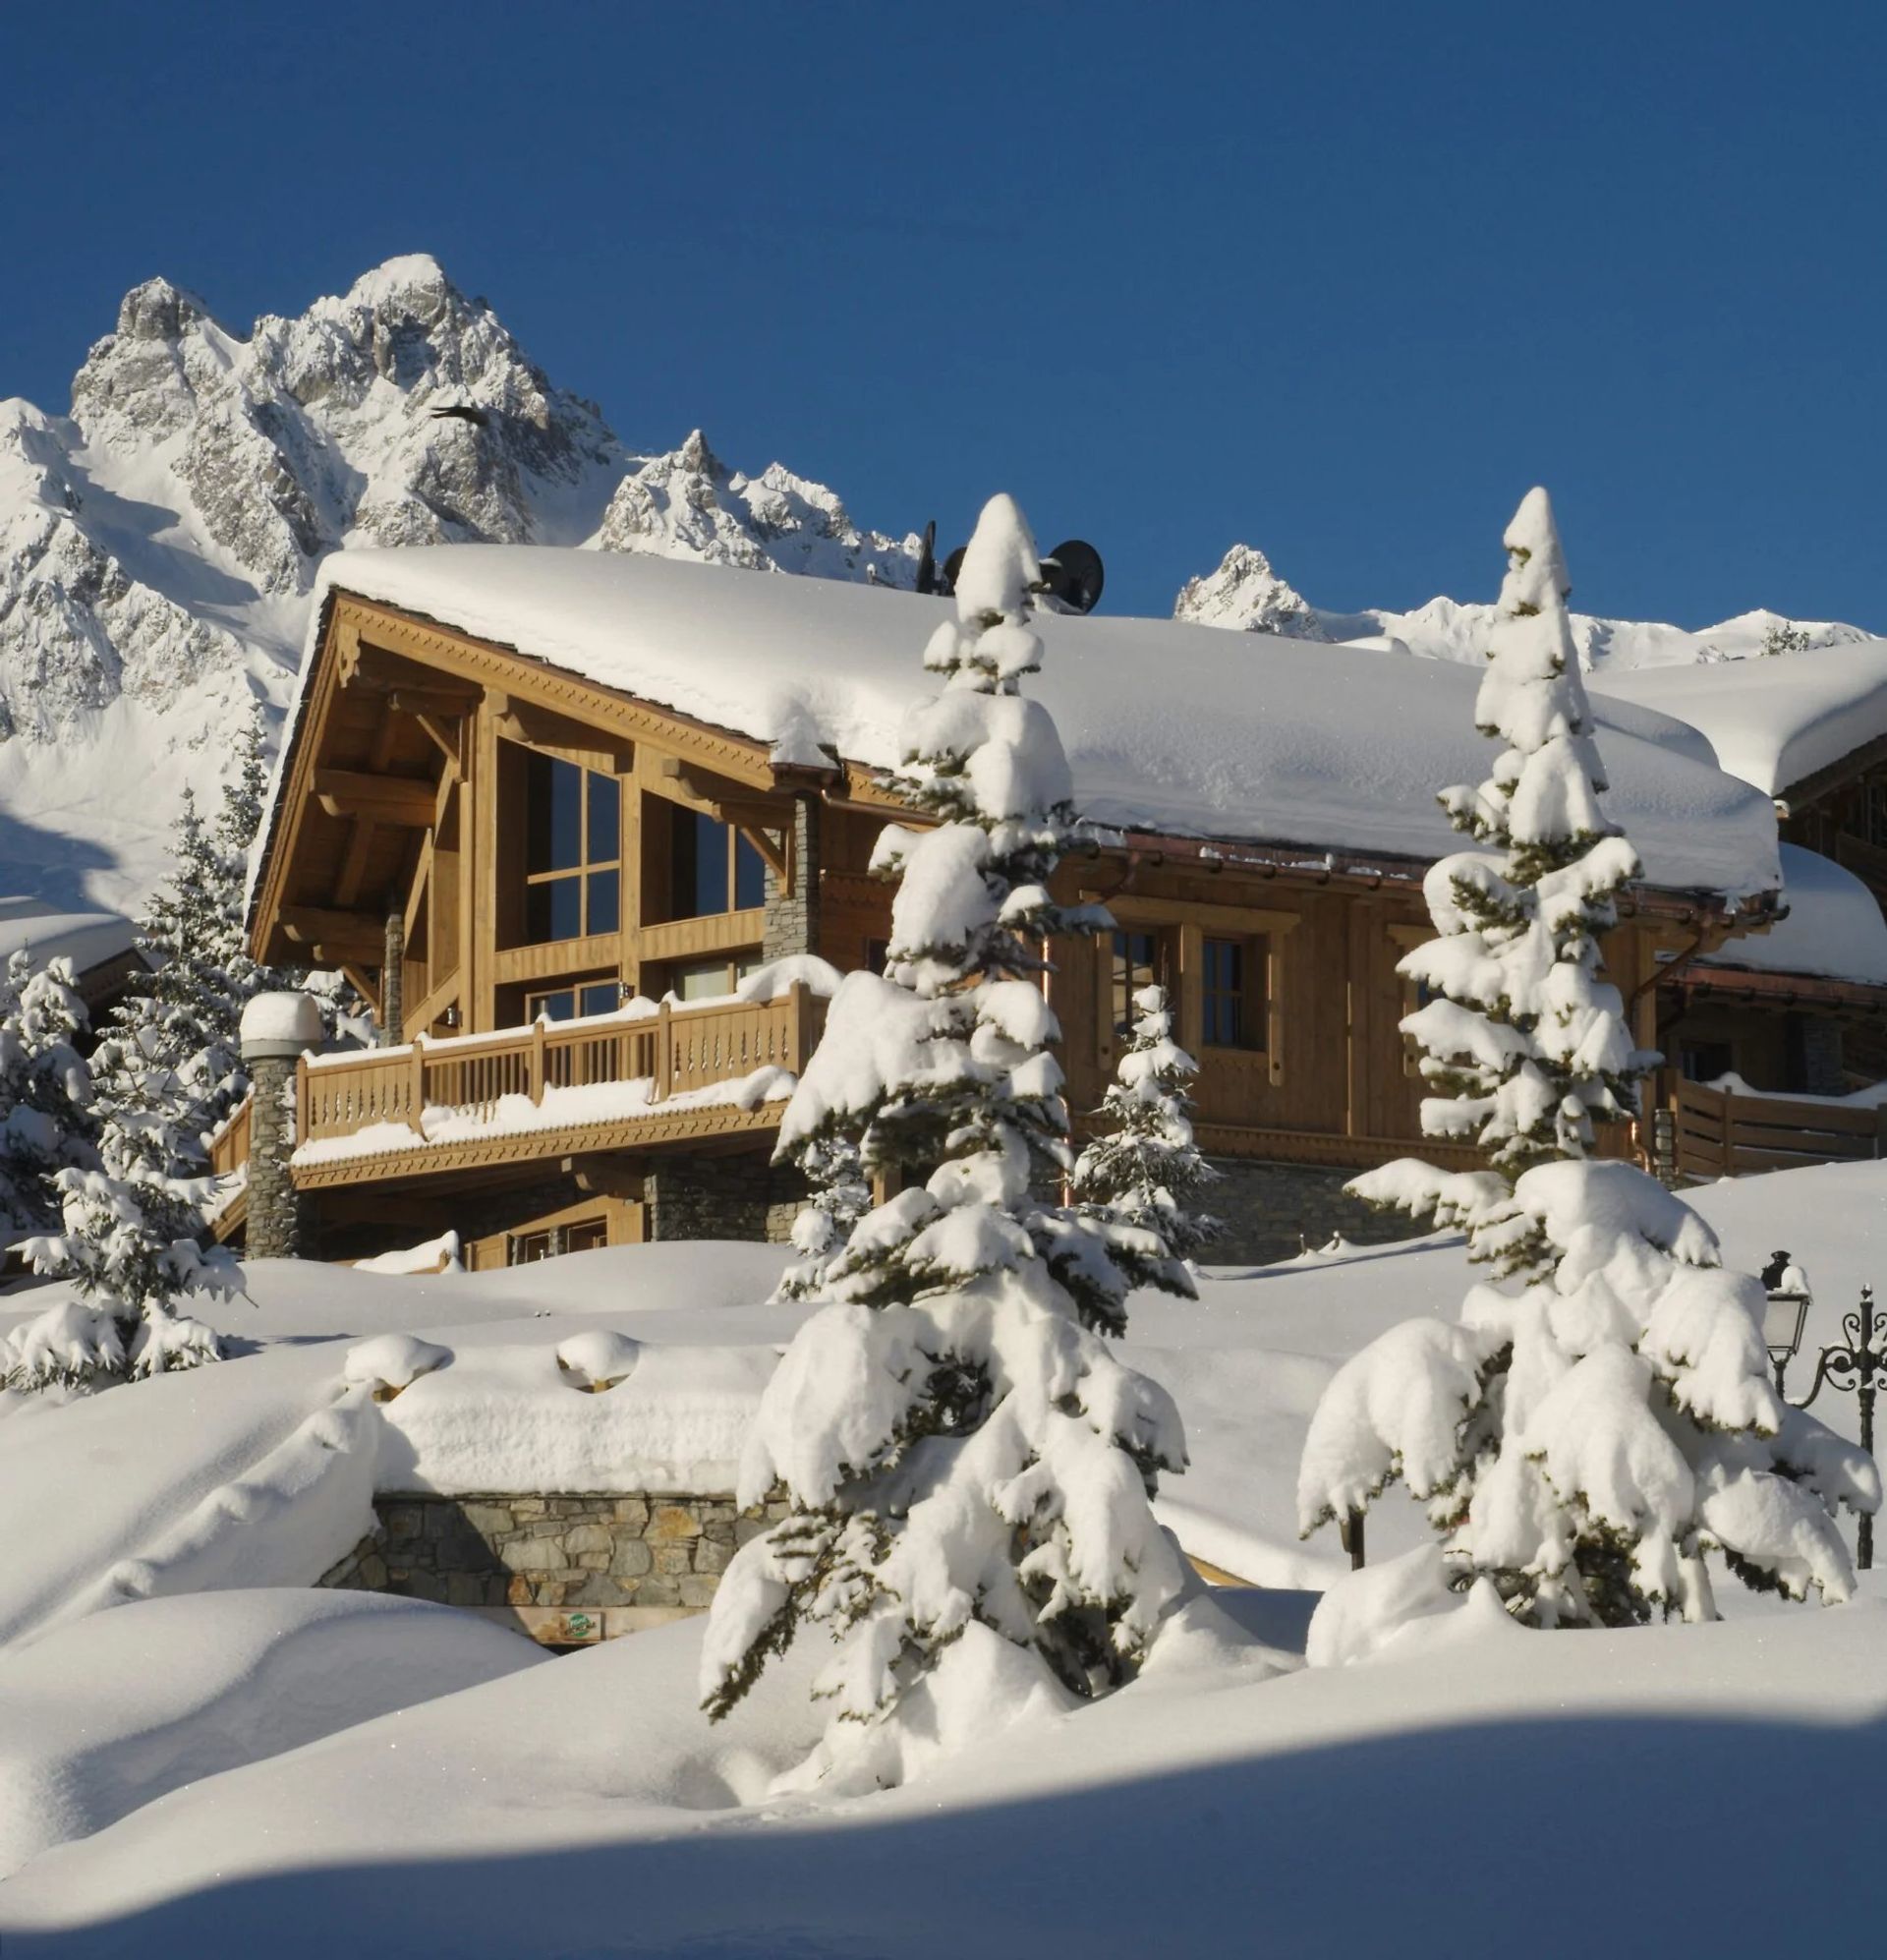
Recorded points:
644,1078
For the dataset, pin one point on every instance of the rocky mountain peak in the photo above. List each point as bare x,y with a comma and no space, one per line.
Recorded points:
1246,593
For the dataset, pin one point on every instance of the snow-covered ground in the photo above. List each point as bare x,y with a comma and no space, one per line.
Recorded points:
304,1774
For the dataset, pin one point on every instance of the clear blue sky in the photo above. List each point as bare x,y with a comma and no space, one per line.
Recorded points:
1338,280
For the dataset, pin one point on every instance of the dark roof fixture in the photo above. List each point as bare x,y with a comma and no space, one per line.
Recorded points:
1071,574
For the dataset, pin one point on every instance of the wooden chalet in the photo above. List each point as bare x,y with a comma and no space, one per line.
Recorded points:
570,822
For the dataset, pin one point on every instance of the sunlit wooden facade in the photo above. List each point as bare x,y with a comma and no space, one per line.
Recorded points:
550,891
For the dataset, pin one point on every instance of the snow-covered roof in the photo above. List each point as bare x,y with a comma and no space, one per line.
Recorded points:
86,939
1771,722
1172,728
1834,928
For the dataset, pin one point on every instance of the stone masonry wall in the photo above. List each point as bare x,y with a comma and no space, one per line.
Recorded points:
793,917
276,1228
738,1195
1268,1211
652,1550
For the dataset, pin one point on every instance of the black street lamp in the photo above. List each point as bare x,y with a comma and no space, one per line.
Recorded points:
1787,1312
1859,1368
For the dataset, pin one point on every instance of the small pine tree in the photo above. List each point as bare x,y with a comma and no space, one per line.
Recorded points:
969,1465
1583,1442
841,1196
1146,1170
46,1123
1783,637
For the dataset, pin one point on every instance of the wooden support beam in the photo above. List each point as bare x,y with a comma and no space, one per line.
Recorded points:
606,1177
426,701
424,1011
359,842
310,925
355,972
771,847
400,800
542,729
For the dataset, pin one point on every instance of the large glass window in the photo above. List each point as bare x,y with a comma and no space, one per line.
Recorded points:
1232,994
714,868
572,851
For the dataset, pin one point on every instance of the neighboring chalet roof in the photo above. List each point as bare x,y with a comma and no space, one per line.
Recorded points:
1178,730
46,933
1834,929
1791,724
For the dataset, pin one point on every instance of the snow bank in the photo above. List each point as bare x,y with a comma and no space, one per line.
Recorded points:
284,1522
589,1795
509,1417
105,1717
1171,728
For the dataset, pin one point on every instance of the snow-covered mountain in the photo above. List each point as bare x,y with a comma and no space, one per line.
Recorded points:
1248,594
157,545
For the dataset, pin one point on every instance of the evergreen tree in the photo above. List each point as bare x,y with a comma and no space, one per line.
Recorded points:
45,1089
970,1467
841,1196
1146,1169
1581,1443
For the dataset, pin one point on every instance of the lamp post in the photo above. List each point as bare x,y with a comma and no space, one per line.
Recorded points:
1787,1312
1859,1367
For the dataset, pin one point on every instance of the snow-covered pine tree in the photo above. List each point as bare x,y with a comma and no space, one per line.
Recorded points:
841,1196
1145,1169
1581,1443
970,1467
46,1121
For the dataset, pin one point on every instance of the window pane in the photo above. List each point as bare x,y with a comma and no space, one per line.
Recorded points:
1223,1000
551,910
605,902
601,997
706,980
553,797
606,820
1136,964
586,1235
700,865
750,876
560,1006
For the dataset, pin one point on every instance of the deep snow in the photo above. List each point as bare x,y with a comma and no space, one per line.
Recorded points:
1410,1802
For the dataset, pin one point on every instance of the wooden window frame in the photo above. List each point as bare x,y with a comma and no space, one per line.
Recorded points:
1193,922
1251,1005
586,866
575,988
734,837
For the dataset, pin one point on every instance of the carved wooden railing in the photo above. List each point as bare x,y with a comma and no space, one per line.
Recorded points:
229,1141
674,1048
1718,1134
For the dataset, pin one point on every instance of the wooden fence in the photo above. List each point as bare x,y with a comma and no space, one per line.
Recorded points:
1717,1134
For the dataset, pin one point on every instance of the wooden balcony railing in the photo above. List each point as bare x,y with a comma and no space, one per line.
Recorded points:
229,1141
1717,1134
674,1049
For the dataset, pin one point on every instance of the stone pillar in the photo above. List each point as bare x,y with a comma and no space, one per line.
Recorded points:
792,916
393,975
276,1030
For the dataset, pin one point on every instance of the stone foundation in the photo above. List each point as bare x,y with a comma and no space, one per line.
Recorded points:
654,1550
1270,1211
739,1195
